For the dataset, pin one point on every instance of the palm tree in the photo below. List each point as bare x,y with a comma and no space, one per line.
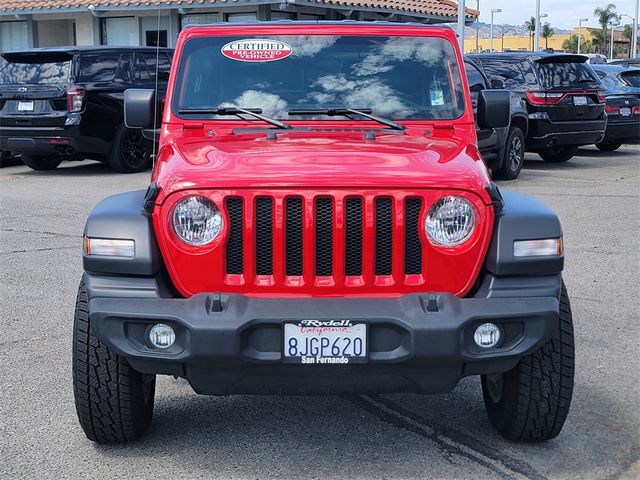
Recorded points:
546,33
599,40
607,16
628,33
531,26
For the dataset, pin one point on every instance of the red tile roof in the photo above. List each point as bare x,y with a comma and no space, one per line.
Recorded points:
439,8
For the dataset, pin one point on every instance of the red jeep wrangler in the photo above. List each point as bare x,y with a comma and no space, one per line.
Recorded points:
319,220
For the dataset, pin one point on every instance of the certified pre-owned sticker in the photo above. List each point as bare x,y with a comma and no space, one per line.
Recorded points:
256,50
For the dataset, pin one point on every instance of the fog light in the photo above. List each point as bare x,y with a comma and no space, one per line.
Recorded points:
162,336
487,335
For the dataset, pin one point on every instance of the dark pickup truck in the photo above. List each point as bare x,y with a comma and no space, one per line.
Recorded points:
66,103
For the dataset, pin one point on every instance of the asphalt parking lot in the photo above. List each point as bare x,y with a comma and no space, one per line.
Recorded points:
370,437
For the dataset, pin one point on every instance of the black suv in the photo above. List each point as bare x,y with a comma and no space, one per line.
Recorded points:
66,103
501,148
564,97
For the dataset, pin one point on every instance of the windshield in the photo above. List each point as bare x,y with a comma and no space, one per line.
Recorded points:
394,77
631,78
33,72
567,74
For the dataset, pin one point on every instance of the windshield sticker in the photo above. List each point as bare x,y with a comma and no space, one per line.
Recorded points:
256,50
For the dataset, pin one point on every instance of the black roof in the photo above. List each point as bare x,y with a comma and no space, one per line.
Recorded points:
533,56
85,48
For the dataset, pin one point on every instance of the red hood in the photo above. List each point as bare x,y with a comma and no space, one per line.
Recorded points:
314,160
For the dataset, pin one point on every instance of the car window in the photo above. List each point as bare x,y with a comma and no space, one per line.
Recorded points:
475,78
145,66
631,78
555,74
397,77
33,70
105,67
506,70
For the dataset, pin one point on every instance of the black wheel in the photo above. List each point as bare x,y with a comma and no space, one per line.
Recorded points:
39,162
5,157
530,403
608,146
513,157
114,402
559,154
130,151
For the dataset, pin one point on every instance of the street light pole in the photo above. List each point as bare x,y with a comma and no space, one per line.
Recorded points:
461,24
493,10
612,29
536,33
580,20
478,27
634,40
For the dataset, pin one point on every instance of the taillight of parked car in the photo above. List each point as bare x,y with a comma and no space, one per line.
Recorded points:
612,110
75,98
554,98
544,98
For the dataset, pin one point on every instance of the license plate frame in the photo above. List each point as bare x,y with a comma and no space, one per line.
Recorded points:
580,100
26,106
625,111
331,328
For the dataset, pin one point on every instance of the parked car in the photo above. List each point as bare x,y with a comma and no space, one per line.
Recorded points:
501,148
564,99
596,58
626,62
622,87
66,103
331,229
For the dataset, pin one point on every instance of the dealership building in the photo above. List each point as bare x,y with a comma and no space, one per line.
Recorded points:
46,23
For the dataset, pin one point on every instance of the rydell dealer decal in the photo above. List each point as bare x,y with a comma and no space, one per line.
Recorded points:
256,50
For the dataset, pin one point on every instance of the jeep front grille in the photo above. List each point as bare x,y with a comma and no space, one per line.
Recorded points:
321,239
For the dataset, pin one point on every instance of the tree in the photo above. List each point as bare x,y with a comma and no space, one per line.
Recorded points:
571,45
531,26
546,33
599,41
607,16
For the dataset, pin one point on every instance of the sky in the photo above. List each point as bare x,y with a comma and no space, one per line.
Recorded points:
562,13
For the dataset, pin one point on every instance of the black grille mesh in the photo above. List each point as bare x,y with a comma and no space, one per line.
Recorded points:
293,236
264,236
324,237
353,236
235,246
384,236
412,243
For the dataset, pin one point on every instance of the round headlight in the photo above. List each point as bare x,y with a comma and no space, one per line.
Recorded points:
196,220
450,221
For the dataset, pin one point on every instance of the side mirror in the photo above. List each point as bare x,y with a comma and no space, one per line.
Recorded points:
496,83
139,107
494,108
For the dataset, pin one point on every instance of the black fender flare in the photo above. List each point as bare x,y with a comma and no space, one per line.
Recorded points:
122,216
522,217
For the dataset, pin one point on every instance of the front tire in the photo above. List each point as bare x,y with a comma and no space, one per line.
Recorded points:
130,152
530,403
608,147
559,154
114,402
513,156
39,162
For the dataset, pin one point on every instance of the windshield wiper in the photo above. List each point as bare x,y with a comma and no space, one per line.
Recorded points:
254,112
364,112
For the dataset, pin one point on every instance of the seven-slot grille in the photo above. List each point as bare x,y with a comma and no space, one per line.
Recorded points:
327,239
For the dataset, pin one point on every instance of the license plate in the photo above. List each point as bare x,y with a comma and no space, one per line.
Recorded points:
25,106
579,100
324,342
625,112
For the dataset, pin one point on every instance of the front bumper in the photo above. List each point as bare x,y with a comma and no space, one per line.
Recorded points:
545,133
238,349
